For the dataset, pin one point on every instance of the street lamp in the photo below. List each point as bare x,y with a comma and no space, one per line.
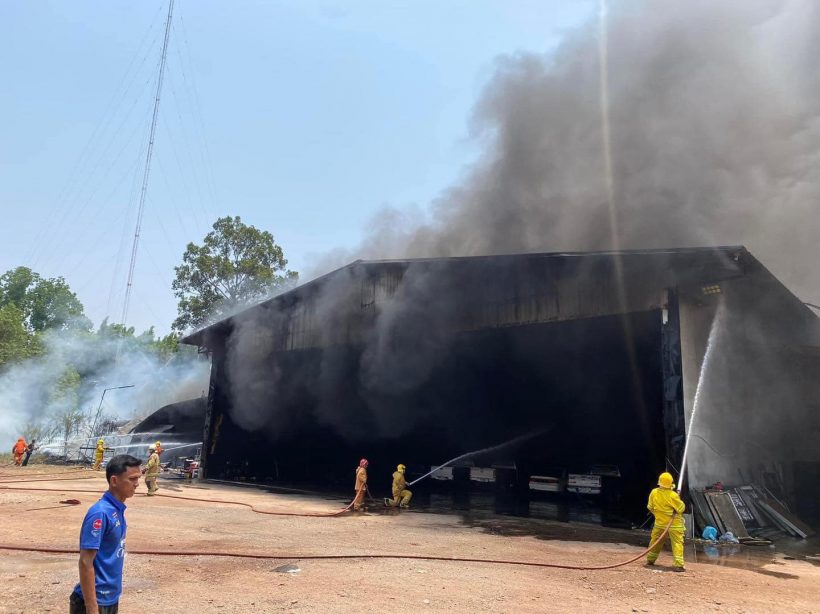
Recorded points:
99,408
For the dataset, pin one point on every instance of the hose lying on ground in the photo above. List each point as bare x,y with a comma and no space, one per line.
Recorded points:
52,479
326,557
22,474
248,505
248,555
268,513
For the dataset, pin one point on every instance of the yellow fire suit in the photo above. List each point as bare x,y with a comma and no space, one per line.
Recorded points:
98,455
401,496
361,488
151,473
663,503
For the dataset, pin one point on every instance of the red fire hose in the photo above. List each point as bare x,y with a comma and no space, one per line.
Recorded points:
47,479
248,505
248,555
323,557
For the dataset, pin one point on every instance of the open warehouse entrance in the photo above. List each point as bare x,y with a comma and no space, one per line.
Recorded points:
568,393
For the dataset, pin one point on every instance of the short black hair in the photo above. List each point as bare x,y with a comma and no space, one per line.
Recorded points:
120,464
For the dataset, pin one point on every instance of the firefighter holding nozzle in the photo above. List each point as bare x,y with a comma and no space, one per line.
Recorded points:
401,496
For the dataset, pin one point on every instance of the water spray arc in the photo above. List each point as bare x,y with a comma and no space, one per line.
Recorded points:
494,448
704,370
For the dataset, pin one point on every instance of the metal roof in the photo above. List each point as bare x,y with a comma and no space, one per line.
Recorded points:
653,268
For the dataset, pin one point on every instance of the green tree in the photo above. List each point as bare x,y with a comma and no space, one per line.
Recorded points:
166,347
161,346
45,303
235,264
115,331
16,343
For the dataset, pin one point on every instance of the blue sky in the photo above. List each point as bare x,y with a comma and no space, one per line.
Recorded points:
305,118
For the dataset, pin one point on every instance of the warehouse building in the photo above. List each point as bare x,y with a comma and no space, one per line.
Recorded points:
588,363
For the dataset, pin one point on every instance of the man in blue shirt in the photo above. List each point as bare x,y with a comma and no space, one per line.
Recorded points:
102,541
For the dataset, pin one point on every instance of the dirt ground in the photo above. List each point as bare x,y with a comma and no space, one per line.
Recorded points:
33,582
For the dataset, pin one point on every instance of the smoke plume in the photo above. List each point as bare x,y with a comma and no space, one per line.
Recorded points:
713,125
658,124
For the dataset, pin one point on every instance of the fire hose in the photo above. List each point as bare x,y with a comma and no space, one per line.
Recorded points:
326,557
20,474
47,479
315,557
248,505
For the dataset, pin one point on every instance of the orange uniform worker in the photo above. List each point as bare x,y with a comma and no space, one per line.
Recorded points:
361,485
18,449
666,506
158,447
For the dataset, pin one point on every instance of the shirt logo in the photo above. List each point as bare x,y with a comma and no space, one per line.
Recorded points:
97,524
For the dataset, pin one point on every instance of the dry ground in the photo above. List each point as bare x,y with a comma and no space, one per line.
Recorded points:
31,582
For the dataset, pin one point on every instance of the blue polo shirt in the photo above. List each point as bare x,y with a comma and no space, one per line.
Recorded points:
103,530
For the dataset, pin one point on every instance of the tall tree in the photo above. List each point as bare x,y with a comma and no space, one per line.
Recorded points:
235,264
16,343
45,303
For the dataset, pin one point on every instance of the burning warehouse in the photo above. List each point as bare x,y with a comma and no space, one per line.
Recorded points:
589,364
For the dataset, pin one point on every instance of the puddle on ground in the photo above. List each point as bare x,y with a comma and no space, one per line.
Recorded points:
289,568
751,558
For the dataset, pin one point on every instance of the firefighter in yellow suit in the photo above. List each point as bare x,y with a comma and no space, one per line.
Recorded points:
152,471
401,496
666,505
361,485
99,453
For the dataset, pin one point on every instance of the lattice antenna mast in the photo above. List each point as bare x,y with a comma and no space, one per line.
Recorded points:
147,171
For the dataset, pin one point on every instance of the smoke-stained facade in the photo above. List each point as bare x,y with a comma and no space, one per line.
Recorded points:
596,356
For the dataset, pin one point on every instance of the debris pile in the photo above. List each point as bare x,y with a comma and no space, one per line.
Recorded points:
751,513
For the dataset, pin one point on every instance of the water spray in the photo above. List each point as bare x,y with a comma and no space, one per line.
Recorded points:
704,367
482,451
145,444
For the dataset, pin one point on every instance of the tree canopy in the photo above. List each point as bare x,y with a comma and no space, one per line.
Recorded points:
164,347
235,264
15,341
44,303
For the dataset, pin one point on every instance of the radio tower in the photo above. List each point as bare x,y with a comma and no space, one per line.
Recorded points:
147,172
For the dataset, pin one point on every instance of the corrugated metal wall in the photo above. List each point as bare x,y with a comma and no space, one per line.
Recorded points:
479,293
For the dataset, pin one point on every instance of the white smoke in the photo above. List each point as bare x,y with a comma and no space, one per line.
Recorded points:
27,389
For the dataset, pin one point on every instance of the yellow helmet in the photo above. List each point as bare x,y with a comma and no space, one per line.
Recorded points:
666,480
101,440
401,468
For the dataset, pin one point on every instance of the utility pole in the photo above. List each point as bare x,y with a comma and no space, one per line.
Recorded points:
147,171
